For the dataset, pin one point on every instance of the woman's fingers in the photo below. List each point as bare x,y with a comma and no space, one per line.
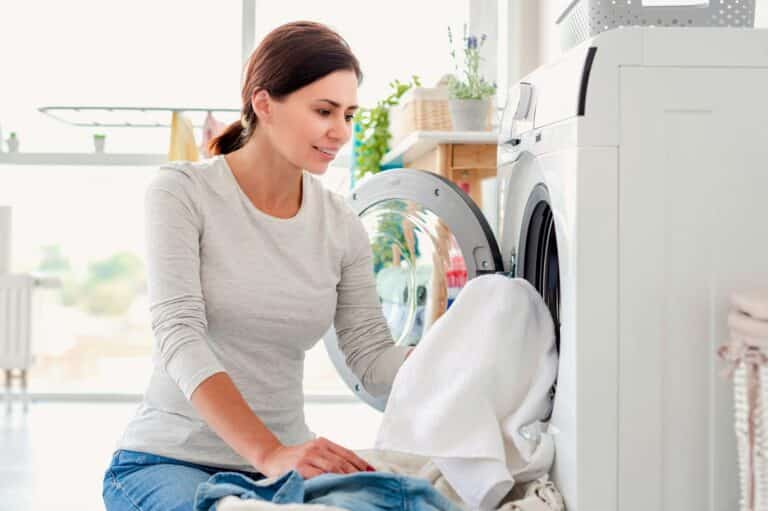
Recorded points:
349,456
309,471
328,461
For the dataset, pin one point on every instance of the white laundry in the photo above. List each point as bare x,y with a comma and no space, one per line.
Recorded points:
472,394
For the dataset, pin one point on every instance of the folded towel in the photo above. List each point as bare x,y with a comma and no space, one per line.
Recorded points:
752,302
473,393
182,139
743,325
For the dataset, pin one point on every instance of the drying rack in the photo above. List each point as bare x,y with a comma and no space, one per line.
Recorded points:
132,116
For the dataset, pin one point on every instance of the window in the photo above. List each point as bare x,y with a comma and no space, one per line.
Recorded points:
84,223
176,53
392,41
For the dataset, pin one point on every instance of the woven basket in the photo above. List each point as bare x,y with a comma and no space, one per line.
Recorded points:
420,109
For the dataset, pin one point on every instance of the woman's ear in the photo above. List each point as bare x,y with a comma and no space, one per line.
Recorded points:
261,104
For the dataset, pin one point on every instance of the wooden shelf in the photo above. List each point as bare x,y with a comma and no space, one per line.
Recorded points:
419,143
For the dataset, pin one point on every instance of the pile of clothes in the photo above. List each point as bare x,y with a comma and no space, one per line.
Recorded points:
464,427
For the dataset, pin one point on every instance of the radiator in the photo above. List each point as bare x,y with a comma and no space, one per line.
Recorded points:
15,321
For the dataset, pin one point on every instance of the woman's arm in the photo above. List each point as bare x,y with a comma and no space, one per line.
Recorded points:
222,406
173,226
224,409
362,330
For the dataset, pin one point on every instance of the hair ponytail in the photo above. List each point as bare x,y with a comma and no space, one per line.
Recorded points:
227,141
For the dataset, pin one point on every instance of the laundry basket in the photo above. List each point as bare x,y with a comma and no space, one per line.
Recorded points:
747,356
582,19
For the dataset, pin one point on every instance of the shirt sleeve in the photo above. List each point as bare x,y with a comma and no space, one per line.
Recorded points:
172,228
363,333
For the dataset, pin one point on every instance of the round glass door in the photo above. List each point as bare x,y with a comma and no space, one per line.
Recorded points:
428,238
417,264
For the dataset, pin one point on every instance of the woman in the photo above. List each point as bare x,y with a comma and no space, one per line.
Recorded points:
249,262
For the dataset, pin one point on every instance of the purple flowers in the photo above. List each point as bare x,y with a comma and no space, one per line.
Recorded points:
468,82
471,41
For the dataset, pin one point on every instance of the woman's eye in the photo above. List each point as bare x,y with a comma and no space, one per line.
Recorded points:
350,117
324,112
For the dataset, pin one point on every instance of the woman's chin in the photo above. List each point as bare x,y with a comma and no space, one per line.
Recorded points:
317,168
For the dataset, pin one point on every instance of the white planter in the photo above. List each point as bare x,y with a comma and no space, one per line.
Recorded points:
98,144
13,145
469,114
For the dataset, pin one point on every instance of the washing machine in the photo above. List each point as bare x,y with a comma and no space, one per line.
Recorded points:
633,194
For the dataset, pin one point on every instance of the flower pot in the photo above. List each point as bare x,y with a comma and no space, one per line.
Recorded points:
13,144
98,144
469,114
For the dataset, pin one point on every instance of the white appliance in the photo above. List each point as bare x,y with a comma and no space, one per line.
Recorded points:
633,193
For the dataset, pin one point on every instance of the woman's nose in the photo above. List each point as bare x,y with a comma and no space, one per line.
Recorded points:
341,130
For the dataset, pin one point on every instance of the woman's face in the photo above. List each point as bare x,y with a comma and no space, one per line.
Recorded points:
309,126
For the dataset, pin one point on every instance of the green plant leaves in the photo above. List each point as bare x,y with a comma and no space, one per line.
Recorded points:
372,132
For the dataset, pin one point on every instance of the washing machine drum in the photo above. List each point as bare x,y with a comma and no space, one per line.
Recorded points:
428,238
537,258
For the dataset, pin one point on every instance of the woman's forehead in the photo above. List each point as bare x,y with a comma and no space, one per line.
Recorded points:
338,89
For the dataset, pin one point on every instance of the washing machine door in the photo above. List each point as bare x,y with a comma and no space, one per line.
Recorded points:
428,238
527,226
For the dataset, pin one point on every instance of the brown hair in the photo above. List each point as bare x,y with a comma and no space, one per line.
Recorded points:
288,58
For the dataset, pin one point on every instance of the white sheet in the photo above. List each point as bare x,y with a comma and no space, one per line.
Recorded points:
479,375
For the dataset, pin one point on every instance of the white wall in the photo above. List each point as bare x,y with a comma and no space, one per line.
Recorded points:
761,13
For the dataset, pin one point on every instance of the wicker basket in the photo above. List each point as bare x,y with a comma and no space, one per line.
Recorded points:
420,109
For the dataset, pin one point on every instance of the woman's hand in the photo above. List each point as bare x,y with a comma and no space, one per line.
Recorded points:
311,459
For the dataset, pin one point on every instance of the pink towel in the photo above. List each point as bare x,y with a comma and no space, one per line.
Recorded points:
211,129
743,325
752,302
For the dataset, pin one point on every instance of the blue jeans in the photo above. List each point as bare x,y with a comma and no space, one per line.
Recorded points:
138,481
361,491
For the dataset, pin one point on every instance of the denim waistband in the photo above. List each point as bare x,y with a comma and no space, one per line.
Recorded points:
128,457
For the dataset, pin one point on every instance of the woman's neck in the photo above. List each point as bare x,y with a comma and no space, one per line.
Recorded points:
272,183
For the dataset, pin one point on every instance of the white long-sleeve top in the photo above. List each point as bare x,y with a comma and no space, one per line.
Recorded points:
234,289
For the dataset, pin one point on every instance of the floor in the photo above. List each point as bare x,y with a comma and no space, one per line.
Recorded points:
53,457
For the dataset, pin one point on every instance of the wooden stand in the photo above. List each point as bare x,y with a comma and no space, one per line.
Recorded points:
460,156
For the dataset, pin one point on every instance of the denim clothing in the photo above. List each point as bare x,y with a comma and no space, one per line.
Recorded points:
361,491
138,481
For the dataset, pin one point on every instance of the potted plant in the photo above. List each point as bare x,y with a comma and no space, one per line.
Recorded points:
468,92
372,130
98,142
13,142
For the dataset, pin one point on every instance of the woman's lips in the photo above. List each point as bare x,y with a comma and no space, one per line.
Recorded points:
330,155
